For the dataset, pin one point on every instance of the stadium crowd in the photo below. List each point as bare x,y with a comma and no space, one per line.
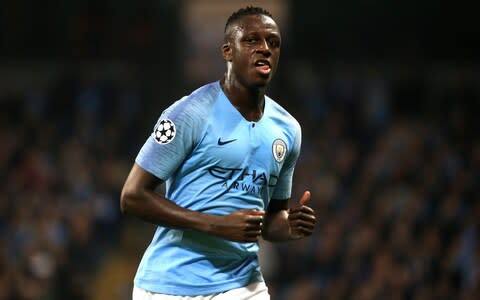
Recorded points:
391,155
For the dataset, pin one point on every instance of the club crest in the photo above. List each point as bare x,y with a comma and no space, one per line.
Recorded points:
279,150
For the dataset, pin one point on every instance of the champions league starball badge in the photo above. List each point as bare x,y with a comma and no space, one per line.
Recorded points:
279,149
165,132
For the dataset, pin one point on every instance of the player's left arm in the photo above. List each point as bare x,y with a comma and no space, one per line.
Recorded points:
282,223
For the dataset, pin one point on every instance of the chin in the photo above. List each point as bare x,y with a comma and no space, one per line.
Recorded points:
258,82
262,82
259,85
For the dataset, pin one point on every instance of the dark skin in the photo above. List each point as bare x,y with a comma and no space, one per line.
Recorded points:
250,40
251,51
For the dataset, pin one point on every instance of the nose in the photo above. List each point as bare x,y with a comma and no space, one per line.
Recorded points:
263,47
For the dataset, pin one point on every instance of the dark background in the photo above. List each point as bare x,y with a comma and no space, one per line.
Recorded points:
369,29
388,95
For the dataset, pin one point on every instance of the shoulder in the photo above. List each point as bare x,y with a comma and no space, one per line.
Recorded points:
283,116
184,120
197,104
205,94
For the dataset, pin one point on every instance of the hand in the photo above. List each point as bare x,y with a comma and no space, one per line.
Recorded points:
241,226
301,218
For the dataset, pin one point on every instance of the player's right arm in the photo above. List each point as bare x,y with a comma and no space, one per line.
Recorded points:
140,199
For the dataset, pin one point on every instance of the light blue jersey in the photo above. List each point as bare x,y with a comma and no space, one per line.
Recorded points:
216,162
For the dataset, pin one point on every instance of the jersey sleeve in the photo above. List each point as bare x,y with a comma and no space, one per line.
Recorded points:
173,138
283,189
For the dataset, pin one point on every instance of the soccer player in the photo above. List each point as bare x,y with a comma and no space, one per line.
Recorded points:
227,153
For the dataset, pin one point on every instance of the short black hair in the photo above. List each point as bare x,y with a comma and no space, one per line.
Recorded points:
246,11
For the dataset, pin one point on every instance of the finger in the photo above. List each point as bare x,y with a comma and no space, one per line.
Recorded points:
254,211
254,221
257,212
302,209
305,231
253,233
302,218
303,212
310,224
253,226
252,237
305,198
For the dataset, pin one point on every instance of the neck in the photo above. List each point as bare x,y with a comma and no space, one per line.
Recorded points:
250,102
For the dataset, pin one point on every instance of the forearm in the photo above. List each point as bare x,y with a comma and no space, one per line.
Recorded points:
154,208
239,226
276,227
139,199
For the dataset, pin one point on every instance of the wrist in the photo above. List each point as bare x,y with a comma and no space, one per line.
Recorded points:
206,223
277,227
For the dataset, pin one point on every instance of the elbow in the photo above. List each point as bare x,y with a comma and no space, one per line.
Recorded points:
126,200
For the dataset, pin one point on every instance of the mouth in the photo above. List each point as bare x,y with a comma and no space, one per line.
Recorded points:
263,66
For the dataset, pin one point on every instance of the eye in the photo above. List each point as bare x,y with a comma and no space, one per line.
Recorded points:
274,43
251,39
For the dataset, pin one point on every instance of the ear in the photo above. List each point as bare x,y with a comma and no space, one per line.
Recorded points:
227,51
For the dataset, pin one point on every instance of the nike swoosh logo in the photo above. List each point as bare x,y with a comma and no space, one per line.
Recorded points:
221,143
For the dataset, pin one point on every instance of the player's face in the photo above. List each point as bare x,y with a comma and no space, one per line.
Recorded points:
254,50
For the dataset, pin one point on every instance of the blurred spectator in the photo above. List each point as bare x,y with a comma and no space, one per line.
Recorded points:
393,166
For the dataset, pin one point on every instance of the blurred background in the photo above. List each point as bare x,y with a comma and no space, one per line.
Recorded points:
387,92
